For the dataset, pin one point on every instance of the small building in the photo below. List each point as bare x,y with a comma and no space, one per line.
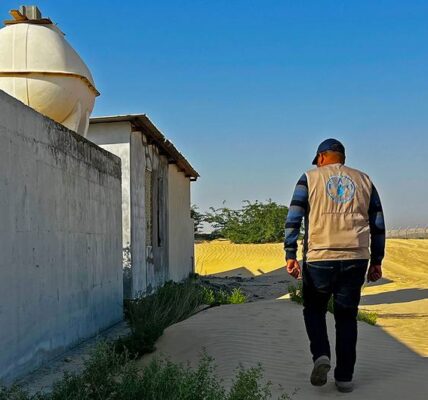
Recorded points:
158,233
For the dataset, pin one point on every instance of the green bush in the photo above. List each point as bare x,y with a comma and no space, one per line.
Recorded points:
256,222
149,316
297,296
247,385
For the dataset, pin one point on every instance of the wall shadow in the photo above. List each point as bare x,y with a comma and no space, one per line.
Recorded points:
241,272
381,281
270,285
395,296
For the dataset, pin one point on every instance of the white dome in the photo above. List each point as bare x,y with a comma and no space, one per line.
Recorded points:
40,68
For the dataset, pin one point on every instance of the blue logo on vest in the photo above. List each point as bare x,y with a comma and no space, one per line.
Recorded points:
341,189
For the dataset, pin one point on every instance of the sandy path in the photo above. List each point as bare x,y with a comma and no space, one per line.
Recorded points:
272,332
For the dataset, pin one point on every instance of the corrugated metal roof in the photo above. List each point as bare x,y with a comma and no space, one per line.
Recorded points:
140,122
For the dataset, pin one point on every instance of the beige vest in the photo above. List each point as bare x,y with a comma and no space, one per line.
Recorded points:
338,228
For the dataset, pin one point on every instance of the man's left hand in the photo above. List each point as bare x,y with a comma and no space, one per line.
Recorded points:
374,273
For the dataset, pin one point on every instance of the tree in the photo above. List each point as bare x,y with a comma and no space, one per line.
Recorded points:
198,218
256,222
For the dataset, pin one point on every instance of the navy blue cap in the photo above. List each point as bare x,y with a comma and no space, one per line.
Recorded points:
329,145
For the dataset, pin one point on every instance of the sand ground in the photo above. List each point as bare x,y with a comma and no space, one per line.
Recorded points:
392,356
272,332
400,299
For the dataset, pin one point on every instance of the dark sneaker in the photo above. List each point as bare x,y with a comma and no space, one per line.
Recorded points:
344,387
320,371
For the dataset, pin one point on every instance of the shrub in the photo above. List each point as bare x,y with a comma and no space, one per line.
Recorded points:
247,385
149,316
163,379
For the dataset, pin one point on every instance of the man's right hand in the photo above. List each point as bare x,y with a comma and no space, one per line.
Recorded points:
374,273
293,268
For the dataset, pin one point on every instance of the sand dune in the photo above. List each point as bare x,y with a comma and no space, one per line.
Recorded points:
406,260
222,256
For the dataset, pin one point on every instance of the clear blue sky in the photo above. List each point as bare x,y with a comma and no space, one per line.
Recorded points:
247,89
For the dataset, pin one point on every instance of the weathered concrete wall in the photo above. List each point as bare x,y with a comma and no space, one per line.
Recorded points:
180,225
138,227
60,239
162,232
149,245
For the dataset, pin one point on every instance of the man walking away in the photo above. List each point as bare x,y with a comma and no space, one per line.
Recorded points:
344,233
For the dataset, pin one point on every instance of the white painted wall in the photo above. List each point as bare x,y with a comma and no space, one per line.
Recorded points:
180,225
60,239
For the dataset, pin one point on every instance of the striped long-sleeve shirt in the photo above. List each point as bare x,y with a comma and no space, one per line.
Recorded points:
299,210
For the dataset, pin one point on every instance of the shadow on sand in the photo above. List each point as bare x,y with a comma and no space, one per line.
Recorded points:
395,296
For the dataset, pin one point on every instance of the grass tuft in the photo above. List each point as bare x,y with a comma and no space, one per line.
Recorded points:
367,316
217,297
237,296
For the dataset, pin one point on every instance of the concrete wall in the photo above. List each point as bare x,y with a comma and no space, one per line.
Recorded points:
180,225
115,138
60,239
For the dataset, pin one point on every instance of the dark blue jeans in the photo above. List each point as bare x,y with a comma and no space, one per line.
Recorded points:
343,280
